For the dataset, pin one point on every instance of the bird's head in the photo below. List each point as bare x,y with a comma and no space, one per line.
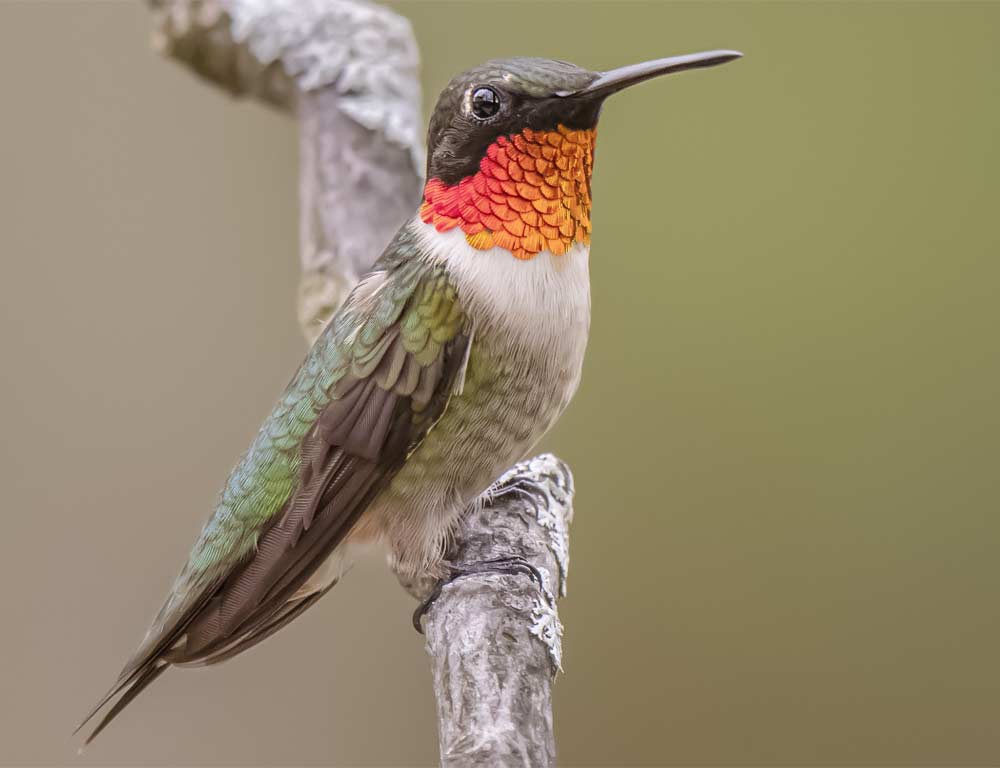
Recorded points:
511,144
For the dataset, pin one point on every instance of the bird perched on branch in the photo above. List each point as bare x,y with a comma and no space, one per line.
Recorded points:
446,364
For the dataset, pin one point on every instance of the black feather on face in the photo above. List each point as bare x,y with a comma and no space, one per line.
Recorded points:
501,98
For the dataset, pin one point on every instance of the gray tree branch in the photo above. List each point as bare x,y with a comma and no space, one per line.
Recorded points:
495,640
349,70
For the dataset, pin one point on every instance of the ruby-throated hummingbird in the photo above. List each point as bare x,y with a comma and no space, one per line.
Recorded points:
445,365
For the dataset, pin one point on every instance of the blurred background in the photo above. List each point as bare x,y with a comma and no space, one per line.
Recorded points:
785,444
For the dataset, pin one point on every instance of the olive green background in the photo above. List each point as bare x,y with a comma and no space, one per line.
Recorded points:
786,441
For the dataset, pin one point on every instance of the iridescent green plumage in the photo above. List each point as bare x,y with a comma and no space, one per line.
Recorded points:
423,301
371,386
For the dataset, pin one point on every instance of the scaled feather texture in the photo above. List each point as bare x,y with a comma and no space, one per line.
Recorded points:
532,193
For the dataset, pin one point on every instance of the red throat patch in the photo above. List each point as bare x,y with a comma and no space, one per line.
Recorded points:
532,193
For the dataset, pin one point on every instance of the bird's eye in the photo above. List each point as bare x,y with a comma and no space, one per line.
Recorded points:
485,103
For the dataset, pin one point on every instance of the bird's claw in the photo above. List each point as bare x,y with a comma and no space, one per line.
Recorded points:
508,566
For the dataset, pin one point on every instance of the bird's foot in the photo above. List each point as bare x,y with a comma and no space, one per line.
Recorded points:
508,566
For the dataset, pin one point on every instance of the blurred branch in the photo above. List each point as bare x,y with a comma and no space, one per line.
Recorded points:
349,70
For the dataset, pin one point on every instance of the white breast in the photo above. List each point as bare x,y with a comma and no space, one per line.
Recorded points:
542,302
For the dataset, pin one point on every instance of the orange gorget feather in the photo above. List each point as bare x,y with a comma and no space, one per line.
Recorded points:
532,193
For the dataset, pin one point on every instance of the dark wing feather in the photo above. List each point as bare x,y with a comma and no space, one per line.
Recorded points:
289,611
355,446
402,372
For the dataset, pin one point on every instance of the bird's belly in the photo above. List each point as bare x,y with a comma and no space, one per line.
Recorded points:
510,399
531,320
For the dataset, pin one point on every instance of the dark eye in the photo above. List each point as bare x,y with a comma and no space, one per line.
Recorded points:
485,103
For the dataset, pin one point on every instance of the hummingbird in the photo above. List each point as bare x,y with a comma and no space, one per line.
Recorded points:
445,365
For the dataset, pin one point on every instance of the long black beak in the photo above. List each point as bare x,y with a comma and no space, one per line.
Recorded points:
615,80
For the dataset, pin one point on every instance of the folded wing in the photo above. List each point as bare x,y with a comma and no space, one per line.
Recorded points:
372,386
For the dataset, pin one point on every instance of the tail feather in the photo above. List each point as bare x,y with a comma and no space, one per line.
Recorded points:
129,688
135,679
115,689
145,665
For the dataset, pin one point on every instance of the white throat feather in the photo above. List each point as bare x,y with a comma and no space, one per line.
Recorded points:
537,300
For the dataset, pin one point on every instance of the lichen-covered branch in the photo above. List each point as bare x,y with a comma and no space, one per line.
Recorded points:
348,70
496,640
355,188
